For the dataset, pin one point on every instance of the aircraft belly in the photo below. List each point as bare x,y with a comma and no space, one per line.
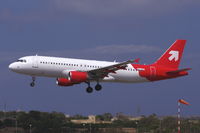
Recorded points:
53,73
50,72
128,77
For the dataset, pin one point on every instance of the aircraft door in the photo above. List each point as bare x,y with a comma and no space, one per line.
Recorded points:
35,62
83,67
153,71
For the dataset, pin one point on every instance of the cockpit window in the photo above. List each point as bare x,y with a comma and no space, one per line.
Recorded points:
20,60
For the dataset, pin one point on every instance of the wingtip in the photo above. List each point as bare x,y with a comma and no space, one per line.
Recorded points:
137,60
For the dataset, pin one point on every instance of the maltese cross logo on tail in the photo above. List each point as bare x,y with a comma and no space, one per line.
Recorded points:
174,55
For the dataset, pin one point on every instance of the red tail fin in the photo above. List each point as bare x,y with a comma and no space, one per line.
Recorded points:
171,58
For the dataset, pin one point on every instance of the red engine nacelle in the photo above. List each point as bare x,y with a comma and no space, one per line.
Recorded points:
78,77
64,82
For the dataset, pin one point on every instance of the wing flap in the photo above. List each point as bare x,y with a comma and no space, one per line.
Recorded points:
104,71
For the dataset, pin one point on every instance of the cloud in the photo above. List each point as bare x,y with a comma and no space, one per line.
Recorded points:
8,14
58,9
107,52
96,52
193,57
11,56
123,49
118,7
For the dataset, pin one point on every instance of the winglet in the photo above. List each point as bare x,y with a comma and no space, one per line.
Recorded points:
137,60
133,61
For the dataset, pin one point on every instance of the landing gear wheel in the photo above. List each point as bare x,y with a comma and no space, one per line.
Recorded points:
32,84
89,90
98,87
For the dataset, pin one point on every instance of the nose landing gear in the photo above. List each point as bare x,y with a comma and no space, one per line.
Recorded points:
32,84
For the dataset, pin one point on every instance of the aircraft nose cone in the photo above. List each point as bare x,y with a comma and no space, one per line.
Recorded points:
12,67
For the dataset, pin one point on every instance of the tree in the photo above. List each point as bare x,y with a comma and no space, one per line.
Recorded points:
168,124
149,123
79,117
104,117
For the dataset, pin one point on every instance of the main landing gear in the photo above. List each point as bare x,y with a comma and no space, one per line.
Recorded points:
89,89
32,84
98,87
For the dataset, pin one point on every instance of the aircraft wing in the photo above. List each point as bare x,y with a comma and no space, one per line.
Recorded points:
104,71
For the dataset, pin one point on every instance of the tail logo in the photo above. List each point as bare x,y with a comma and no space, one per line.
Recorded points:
174,55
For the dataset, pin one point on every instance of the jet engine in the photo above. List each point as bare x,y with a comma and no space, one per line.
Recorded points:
74,77
78,77
64,82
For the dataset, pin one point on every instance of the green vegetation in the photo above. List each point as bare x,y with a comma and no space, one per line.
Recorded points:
104,117
44,122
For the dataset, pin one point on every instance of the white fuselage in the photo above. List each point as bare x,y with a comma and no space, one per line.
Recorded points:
60,67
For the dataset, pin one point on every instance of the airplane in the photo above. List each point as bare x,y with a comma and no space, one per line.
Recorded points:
68,71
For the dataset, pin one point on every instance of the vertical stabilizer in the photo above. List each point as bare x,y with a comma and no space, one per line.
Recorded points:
172,57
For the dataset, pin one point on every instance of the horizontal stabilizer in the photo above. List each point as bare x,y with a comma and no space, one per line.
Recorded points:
180,70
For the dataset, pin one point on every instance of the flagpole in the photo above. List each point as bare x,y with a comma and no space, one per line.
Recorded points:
179,117
180,101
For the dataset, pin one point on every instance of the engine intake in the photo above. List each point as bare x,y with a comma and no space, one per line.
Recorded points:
64,82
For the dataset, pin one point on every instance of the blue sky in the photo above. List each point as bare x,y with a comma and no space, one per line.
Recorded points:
103,30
